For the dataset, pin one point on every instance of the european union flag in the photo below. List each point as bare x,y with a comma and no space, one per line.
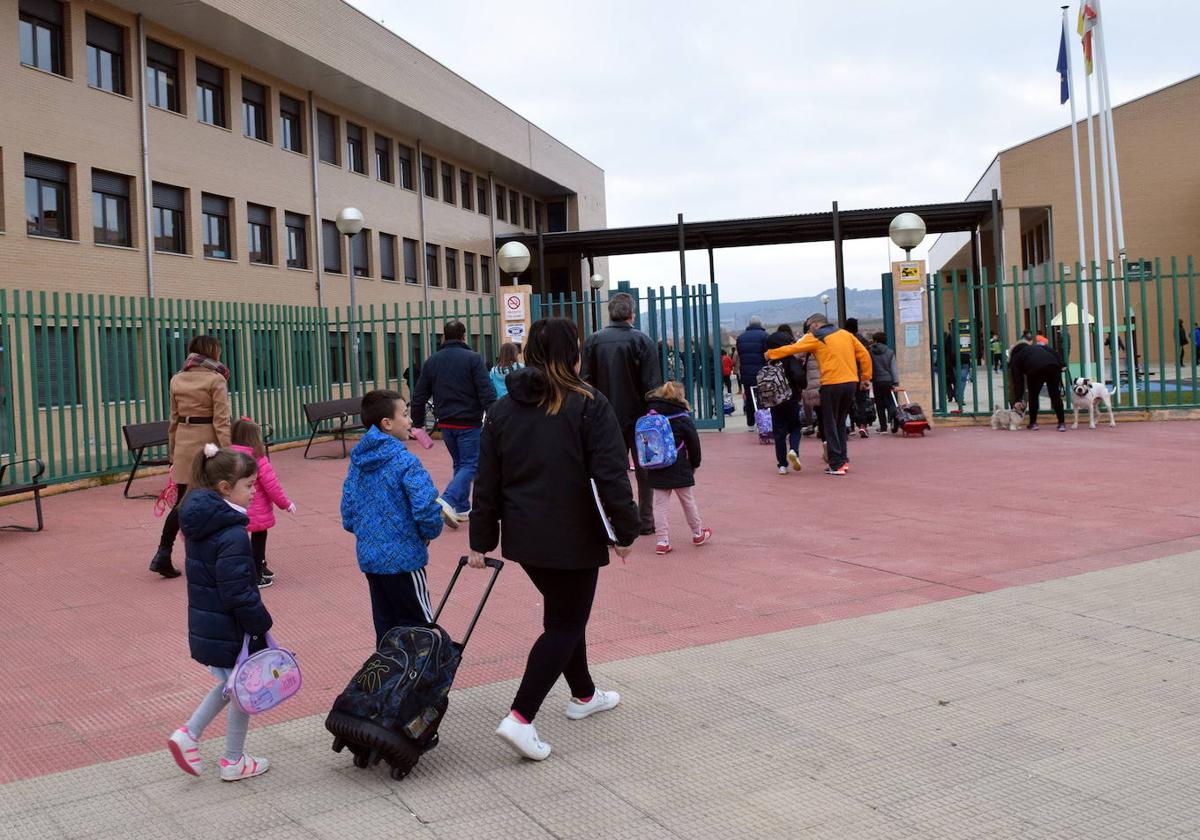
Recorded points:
1064,82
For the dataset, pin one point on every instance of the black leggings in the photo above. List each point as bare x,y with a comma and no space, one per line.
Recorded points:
171,523
561,649
1052,379
258,550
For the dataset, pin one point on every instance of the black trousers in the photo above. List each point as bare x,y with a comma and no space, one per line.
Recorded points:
836,402
398,600
748,405
786,425
171,523
258,550
885,405
644,492
567,596
1052,379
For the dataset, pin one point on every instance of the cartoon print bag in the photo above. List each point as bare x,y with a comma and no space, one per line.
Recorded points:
654,441
264,680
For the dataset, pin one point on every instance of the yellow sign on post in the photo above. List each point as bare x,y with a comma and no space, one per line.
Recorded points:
910,274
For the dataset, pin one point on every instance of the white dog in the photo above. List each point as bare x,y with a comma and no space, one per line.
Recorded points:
1085,394
1008,418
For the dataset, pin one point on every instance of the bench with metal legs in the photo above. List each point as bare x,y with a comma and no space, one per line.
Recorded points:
34,485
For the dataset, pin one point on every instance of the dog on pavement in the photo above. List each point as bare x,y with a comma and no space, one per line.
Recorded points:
1086,394
1008,418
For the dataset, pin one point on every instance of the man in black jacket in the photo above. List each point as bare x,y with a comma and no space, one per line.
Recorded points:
620,362
751,345
1032,367
462,391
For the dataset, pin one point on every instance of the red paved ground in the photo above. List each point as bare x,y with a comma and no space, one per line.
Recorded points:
93,653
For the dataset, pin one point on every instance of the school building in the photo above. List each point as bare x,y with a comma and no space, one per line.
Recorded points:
1158,141
168,168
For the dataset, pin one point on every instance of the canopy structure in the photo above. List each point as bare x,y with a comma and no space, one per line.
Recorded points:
1071,317
834,226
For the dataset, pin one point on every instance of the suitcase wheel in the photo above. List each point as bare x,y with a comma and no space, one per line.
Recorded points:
338,745
362,760
398,773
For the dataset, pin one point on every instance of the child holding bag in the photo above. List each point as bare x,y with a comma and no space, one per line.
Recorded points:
268,494
223,602
670,401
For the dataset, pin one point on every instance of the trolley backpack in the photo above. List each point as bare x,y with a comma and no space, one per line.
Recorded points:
392,708
762,420
773,386
654,441
910,419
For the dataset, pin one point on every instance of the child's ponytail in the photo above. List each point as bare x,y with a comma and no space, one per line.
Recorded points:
214,466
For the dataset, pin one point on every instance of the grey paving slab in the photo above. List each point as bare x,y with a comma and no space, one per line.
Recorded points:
1066,709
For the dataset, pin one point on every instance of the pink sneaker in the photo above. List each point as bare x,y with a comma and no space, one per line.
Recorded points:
703,537
186,751
662,548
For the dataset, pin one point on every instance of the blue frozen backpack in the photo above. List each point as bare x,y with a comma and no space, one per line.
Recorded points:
654,440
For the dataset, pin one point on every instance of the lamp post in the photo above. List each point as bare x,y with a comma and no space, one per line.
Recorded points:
349,223
825,303
907,230
513,258
597,282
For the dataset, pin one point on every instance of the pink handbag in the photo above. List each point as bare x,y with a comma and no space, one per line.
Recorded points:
264,680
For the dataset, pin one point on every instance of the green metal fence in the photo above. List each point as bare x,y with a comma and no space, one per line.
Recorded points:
1153,363
75,368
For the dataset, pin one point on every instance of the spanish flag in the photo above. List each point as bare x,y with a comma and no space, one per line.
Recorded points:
1087,22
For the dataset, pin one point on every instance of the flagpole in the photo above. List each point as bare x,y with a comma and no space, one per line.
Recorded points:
1087,344
1095,197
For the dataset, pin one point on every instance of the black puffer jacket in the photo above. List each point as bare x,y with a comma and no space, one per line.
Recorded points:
1025,359
621,363
459,384
223,599
533,479
687,460
751,349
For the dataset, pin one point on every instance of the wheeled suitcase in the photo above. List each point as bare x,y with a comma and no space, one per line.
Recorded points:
762,421
910,418
392,708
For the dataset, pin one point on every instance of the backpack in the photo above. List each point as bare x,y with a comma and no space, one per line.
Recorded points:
654,440
773,386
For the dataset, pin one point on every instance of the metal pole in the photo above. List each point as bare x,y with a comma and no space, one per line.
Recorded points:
318,232
839,266
353,321
426,309
542,264
1083,317
1094,268
147,187
688,357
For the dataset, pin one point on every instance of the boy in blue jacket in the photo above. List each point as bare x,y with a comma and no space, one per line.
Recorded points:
390,504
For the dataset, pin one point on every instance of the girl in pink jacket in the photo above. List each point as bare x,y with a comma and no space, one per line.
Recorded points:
247,437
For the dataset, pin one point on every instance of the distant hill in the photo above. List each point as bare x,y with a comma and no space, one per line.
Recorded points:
864,304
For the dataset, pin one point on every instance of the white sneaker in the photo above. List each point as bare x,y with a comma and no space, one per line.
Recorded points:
186,751
246,767
601,701
448,514
523,738
794,460
782,470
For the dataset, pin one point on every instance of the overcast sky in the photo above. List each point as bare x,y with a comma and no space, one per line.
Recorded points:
723,110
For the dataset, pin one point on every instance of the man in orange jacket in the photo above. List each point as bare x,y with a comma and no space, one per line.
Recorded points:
845,367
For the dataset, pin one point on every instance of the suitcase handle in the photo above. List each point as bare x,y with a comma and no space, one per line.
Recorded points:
495,566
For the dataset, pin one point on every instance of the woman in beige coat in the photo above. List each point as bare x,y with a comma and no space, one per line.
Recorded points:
199,415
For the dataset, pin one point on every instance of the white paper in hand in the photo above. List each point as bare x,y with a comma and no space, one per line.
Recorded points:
608,528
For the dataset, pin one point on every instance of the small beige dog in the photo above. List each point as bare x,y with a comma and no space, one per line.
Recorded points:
1008,418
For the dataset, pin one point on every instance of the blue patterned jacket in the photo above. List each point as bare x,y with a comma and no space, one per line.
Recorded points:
390,505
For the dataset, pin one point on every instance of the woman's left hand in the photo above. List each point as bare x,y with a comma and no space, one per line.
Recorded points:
475,560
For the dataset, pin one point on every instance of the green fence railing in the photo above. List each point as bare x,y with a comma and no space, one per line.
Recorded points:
1150,309
75,368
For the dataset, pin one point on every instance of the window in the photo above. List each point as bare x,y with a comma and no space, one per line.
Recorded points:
410,261
383,159
387,256
391,349
406,167
304,359
360,253
291,123
216,226
527,212
210,94
431,265
47,197
469,271
259,242
537,216
485,274
110,208
264,354
514,208
501,203
327,139
162,76
331,244
556,217
427,182
254,110
337,357
447,183
366,356
297,240
413,371
466,191
481,194
56,365
42,35
354,149
451,268
106,55
168,219
119,351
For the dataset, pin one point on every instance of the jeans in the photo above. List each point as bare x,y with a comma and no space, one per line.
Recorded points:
786,425
836,402
662,518
964,371
567,596
463,446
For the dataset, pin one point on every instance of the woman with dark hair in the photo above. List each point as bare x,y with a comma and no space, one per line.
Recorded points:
509,361
540,451
199,415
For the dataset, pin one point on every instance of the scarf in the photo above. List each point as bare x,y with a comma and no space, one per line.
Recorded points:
195,360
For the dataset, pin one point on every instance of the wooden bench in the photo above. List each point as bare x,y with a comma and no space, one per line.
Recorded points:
340,412
142,436
34,485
